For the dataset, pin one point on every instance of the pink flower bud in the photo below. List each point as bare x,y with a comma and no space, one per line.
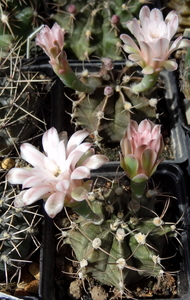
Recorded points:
141,148
72,9
115,19
108,91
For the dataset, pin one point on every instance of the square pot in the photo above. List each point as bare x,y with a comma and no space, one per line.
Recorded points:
171,178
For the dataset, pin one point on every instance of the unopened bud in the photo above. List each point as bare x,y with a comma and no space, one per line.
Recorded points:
72,9
108,91
115,19
108,63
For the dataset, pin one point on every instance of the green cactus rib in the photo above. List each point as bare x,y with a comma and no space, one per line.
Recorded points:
106,116
130,243
20,103
93,27
18,233
18,19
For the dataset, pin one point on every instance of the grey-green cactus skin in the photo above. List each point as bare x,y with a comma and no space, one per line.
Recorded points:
93,27
21,96
18,233
105,115
130,243
18,19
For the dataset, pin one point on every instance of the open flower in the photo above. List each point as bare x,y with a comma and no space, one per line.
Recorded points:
141,148
57,176
153,35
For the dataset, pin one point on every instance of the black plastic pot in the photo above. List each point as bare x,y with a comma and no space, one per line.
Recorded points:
170,177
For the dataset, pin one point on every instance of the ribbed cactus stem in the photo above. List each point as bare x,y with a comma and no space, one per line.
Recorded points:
147,82
84,210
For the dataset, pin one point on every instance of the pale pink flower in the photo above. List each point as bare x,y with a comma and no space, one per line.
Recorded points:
58,174
141,148
153,35
52,42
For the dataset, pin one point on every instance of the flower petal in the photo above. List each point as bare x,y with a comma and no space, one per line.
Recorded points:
79,194
129,42
32,155
95,161
170,65
80,173
54,204
50,142
18,201
17,175
76,139
36,193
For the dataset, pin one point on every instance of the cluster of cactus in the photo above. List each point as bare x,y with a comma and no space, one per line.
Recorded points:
106,112
130,243
93,27
19,102
18,233
18,19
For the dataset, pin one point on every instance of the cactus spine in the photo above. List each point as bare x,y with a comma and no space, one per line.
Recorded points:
129,245
18,234
93,27
107,112
20,102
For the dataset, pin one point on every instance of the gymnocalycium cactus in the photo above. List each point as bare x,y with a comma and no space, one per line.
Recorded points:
105,101
93,27
20,102
126,243
18,233
18,19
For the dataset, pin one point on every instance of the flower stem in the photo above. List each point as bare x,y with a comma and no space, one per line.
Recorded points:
147,82
69,78
138,189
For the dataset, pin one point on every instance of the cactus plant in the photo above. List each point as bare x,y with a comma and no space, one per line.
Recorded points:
131,241
106,112
20,102
18,235
106,100
128,246
93,27
18,19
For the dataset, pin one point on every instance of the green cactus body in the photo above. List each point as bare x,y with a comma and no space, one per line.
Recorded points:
18,19
19,103
127,246
91,27
18,234
106,115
